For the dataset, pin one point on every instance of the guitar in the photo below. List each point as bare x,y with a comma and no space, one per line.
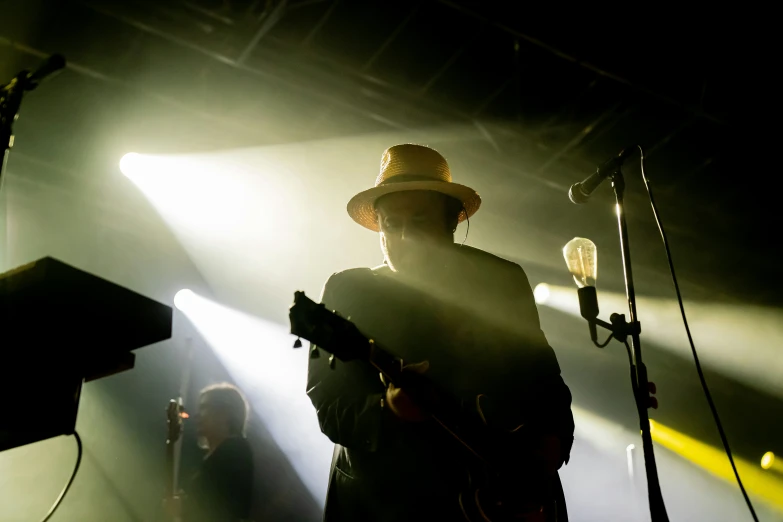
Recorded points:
174,415
500,486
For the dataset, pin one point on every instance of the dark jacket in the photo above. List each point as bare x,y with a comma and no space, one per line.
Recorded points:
479,328
221,490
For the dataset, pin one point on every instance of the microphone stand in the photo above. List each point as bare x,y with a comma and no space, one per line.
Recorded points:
641,387
588,304
10,100
11,96
621,329
588,307
184,388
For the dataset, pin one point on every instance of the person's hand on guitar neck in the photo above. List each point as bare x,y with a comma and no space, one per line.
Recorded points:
400,403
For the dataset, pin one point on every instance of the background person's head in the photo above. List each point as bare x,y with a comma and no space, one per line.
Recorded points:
222,413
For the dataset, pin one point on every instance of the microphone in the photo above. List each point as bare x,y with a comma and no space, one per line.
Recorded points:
580,192
46,70
27,81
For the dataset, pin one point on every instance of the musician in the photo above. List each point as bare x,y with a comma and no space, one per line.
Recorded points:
221,489
463,317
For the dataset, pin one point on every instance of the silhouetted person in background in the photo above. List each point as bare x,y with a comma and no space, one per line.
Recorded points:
221,489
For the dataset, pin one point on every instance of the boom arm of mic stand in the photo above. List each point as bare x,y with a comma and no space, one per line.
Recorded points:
604,324
11,99
639,371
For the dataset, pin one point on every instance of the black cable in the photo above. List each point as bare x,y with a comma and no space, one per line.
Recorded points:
611,336
714,410
70,481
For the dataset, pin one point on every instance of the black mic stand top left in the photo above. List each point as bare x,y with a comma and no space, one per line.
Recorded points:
11,96
11,99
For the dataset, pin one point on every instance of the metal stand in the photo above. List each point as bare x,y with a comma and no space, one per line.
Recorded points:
621,330
638,369
10,100
184,388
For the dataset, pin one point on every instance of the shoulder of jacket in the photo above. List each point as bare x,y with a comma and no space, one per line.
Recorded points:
353,273
481,256
346,279
350,272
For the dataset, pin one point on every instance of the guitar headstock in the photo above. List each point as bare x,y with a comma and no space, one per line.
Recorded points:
338,336
174,415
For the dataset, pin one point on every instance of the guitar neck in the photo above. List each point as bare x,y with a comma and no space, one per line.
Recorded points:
389,365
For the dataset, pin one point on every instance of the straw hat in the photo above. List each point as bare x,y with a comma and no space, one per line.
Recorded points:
411,167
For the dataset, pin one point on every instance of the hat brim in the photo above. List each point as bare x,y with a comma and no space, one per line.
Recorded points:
361,207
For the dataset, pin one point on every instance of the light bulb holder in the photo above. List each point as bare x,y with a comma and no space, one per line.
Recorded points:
588,303
588,307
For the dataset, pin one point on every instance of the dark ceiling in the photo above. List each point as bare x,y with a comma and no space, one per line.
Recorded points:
551,96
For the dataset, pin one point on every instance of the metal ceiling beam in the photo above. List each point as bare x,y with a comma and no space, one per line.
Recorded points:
391,38
267,25
317,93
574,101
339,103
453,58
304,3
666,139
395,90
321,22
492,97
208,13
408,95
404,94
89,72
586,65
576,140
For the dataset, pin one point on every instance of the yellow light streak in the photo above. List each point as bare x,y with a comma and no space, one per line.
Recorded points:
757,482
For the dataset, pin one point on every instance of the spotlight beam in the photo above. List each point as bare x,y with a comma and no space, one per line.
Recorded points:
259,356
720,329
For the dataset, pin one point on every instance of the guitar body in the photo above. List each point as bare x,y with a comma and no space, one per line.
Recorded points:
481,505
512,493
499,499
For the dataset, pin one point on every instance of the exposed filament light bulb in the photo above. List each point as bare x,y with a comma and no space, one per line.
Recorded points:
581,256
